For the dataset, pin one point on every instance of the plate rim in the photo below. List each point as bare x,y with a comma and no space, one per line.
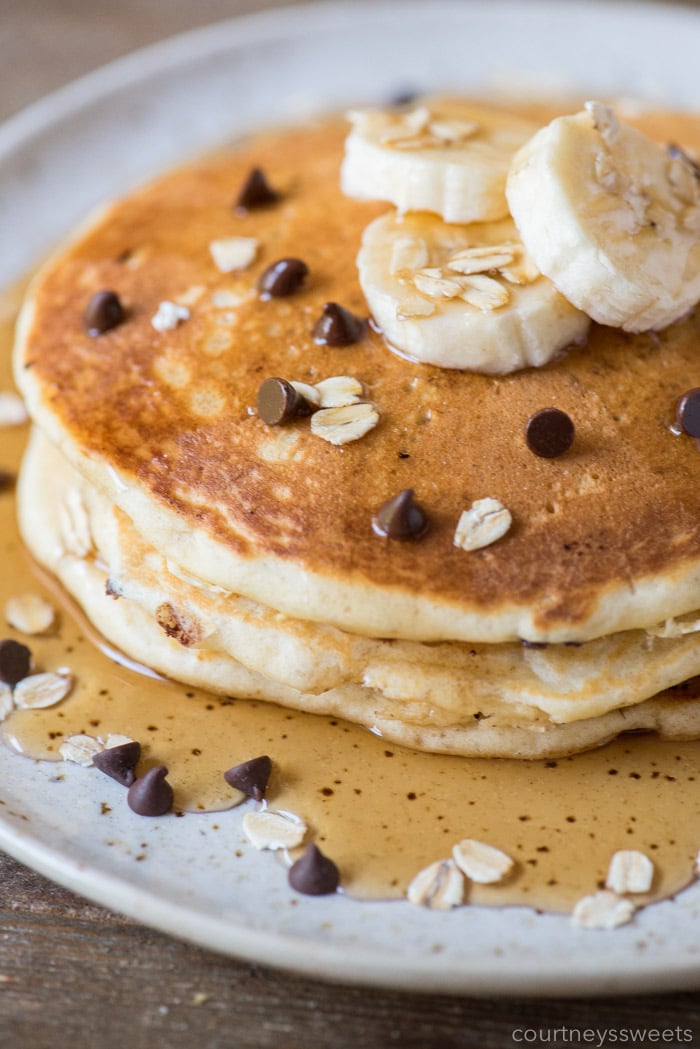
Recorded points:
495,977
283,21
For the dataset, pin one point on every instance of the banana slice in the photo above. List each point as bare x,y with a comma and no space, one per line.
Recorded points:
449,158
611,218
462,296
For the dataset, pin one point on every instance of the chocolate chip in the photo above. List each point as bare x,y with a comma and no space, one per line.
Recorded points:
688,413
7,480
151,794
104,311
405,97
119,762
549,433
278,402
256,192
15,661
400,518
283,277
314,874
532,644
337,326
251,777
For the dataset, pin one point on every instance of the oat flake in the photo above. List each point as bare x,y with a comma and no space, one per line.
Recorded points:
439,886
12,410
480,862
30,613
603,910
630,871
41,690
269,829
80,749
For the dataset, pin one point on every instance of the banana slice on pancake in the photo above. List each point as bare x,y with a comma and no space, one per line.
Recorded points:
612,218
462,296
448,158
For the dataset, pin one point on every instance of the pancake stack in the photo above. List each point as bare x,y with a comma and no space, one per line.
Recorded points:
250,487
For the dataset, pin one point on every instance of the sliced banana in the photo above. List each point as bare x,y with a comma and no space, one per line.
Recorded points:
449,158
462,296
612,218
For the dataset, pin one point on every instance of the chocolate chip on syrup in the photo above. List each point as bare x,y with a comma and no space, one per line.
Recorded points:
278,402
400,518
688,413
283,277
7,479
314,874
337,326
104,311
549,433
256,192
151,794
119,762
251,776
15,661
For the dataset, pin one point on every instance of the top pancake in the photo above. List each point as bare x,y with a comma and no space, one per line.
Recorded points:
604,538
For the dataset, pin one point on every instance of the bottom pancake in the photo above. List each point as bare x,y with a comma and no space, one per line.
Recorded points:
71,537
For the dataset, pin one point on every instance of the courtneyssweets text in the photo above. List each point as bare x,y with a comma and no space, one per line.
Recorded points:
602,1036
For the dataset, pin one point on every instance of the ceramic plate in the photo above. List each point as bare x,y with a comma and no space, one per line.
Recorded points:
104,134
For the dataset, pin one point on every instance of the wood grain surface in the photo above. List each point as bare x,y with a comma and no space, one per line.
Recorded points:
73,974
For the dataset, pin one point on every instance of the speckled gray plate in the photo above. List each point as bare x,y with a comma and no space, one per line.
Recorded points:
111,130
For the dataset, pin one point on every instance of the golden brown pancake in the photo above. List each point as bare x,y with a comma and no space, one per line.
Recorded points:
477,700
605,538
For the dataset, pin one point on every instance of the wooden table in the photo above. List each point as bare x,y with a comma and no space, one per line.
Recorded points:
73,974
